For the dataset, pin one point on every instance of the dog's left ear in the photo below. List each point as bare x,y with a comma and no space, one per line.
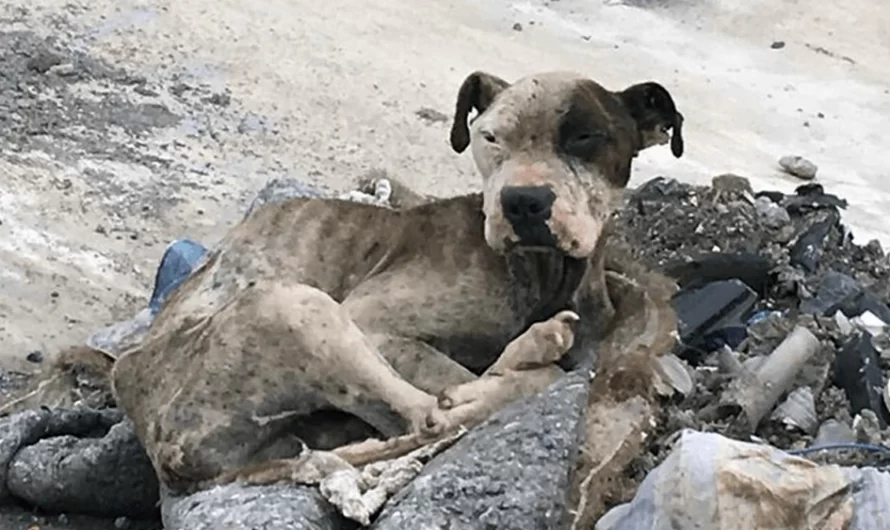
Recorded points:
651,105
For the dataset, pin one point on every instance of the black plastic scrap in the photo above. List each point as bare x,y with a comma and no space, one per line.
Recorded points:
752,269
712,315
866,301
655,191
812,197
807,250
840,292
857,372
808,197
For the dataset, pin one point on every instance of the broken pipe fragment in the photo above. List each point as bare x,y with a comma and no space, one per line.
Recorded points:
753,395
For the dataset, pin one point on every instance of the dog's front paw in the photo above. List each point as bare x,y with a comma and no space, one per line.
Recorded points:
542,344
435,423
427,419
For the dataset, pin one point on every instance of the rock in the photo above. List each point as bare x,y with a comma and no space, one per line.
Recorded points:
834,291
771,214
64,70
868,429
798,411
729,183
35,356
777,45
834,432
43,60
278,507
76,468
517,26
513,471
798,166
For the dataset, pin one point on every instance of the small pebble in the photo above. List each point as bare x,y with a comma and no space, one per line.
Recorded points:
798,166
777,45
122,522
35,356
517,27
63,70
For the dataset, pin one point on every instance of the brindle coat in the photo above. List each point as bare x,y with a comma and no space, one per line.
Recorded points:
312,306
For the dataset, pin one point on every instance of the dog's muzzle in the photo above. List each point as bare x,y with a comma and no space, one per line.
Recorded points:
527,209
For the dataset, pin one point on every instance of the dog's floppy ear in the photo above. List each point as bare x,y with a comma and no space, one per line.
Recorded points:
477,92
651,105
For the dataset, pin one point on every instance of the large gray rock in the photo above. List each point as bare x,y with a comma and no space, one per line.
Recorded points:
513,471
83,460
276,507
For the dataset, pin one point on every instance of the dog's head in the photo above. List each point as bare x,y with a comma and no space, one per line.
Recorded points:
554,150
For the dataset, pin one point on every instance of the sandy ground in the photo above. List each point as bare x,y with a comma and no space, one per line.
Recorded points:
159,118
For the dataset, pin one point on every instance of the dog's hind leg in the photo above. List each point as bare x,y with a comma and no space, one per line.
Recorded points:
272,354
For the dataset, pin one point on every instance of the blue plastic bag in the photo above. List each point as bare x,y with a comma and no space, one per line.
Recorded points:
177,264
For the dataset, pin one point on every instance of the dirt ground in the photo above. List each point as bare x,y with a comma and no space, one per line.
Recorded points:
126,124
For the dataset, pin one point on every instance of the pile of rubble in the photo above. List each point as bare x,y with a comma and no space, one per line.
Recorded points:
782,327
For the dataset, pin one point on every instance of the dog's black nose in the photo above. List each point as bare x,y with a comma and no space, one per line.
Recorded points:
527,208
527,204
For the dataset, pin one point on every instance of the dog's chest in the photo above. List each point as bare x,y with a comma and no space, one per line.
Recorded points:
472,320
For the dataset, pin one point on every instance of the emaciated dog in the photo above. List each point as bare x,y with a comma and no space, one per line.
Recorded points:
412,320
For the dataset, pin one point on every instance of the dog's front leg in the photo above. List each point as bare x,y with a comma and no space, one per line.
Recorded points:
526,366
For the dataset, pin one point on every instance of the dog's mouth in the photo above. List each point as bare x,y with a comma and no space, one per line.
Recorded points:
520,248
552,275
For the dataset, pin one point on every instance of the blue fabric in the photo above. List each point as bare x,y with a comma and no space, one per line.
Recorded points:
176,265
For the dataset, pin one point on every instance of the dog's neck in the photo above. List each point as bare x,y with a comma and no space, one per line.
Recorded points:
545,282
549,282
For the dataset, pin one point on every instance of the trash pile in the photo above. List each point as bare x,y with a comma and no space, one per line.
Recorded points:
783,325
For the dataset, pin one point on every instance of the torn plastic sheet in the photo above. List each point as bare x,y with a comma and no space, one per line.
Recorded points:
713,482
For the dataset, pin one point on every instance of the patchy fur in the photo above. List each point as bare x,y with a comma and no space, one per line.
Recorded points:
323,322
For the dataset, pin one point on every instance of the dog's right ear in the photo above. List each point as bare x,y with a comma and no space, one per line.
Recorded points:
477,92
652,107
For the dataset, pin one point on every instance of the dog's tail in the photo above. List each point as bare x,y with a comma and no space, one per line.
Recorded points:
79,375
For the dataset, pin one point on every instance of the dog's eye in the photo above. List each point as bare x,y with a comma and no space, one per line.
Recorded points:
582,144
489,137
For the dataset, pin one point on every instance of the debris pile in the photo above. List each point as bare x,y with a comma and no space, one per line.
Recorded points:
782,317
